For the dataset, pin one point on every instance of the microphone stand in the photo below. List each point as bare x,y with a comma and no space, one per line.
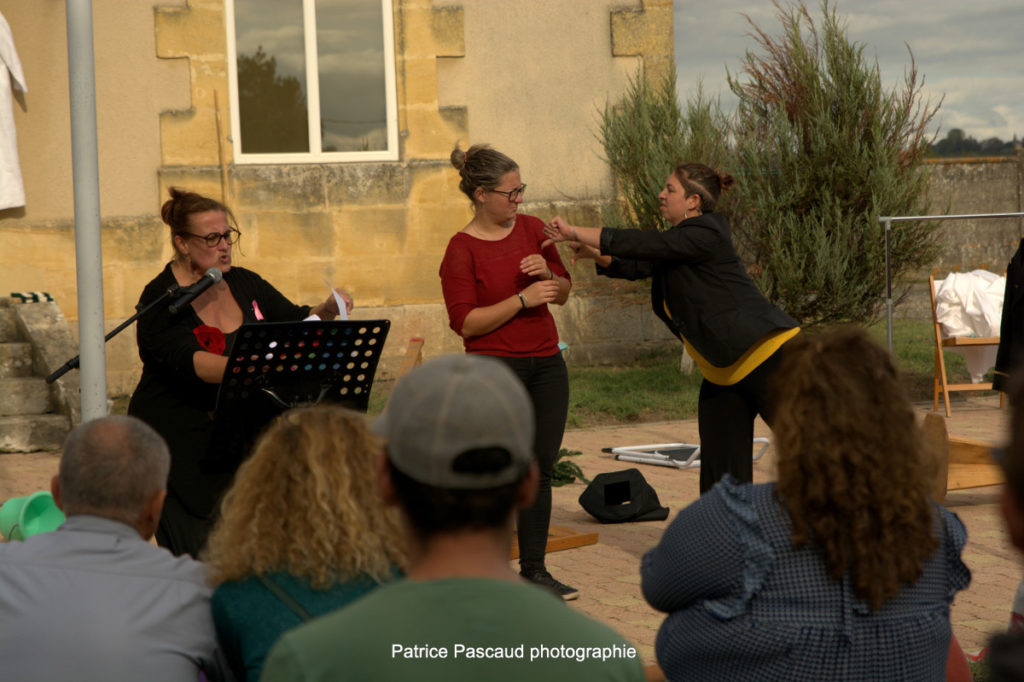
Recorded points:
74,362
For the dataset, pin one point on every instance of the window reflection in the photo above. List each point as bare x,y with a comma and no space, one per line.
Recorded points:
271,76
350,46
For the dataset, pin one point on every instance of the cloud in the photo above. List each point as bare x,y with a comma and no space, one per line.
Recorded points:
971,54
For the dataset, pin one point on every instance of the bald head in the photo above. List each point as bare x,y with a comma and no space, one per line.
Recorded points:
112,467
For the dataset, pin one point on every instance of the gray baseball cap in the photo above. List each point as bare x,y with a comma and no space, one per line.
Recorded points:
453,404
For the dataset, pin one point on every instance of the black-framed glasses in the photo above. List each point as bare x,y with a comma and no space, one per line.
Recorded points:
213,239
511,194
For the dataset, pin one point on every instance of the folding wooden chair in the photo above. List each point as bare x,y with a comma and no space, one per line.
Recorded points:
954,343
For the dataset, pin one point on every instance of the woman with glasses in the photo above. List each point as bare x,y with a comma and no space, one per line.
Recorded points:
702,292
183,357
497,283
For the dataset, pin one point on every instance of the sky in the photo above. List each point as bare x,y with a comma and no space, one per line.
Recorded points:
972,53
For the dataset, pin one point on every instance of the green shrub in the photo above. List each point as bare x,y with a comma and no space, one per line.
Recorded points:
565,470
819,150
646,134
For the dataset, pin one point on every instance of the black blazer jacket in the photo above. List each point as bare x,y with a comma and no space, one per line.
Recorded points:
697,275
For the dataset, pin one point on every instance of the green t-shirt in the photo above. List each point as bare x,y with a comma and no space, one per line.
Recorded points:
454,629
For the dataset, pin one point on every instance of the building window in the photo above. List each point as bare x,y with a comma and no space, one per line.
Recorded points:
312,81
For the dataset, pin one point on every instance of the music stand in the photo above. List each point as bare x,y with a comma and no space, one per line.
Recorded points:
275,366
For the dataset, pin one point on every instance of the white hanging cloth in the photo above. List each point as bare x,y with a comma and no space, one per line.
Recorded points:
12,191
971,304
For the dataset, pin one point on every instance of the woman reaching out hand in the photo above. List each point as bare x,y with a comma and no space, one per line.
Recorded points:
701,291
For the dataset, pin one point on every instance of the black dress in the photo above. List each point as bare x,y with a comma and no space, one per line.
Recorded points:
179,405
1010,355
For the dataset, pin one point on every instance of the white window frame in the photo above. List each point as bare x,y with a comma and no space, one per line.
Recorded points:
313,96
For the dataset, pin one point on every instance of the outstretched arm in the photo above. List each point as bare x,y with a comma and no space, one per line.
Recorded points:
585,242
582,252
558,230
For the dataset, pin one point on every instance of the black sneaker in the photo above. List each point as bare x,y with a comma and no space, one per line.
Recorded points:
543,579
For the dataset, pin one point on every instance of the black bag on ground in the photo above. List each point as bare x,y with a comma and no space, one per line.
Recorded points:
621,496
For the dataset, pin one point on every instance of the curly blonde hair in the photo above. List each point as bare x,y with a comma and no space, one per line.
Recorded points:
306,503
853,473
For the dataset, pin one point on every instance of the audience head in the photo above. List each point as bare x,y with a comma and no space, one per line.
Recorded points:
707,183
852,471
178,211
459,445
114,467
305,503
480,167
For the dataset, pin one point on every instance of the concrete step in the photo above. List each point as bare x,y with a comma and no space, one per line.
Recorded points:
8,327
30,433
15,360
24,395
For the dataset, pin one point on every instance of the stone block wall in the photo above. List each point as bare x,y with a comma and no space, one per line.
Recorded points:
379,229
970,186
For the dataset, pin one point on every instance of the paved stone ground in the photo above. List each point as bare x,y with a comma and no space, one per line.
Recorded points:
607,573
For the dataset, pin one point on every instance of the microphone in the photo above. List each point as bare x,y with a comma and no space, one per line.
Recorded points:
189,294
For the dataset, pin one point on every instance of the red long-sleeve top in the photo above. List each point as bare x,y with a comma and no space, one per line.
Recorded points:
477,273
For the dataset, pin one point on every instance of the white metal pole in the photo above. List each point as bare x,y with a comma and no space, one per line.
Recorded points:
85,172
888,286
888,221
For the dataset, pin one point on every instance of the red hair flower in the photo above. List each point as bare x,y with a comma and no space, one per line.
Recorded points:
210,338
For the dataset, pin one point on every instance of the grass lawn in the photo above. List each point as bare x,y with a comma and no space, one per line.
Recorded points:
653,389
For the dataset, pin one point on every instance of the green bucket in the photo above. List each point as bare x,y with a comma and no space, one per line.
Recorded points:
23,517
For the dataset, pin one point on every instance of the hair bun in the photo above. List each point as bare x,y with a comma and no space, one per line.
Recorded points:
726,180
458,158
168,212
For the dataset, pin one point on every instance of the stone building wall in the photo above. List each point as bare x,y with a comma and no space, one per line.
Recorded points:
529,77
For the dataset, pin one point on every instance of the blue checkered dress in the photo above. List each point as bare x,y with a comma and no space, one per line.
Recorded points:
743,604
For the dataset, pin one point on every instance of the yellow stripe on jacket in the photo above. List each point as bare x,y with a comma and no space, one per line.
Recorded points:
747,363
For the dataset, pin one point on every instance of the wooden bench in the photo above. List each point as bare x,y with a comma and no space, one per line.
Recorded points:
559,538
962,462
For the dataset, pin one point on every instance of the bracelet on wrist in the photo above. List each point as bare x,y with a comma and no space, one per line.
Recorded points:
522,299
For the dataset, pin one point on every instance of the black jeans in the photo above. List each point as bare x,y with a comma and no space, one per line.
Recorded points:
725,420
547,381
181,531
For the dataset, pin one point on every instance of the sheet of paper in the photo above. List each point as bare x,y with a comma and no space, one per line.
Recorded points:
342,308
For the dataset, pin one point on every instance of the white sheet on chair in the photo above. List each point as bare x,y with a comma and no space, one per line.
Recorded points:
971,304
